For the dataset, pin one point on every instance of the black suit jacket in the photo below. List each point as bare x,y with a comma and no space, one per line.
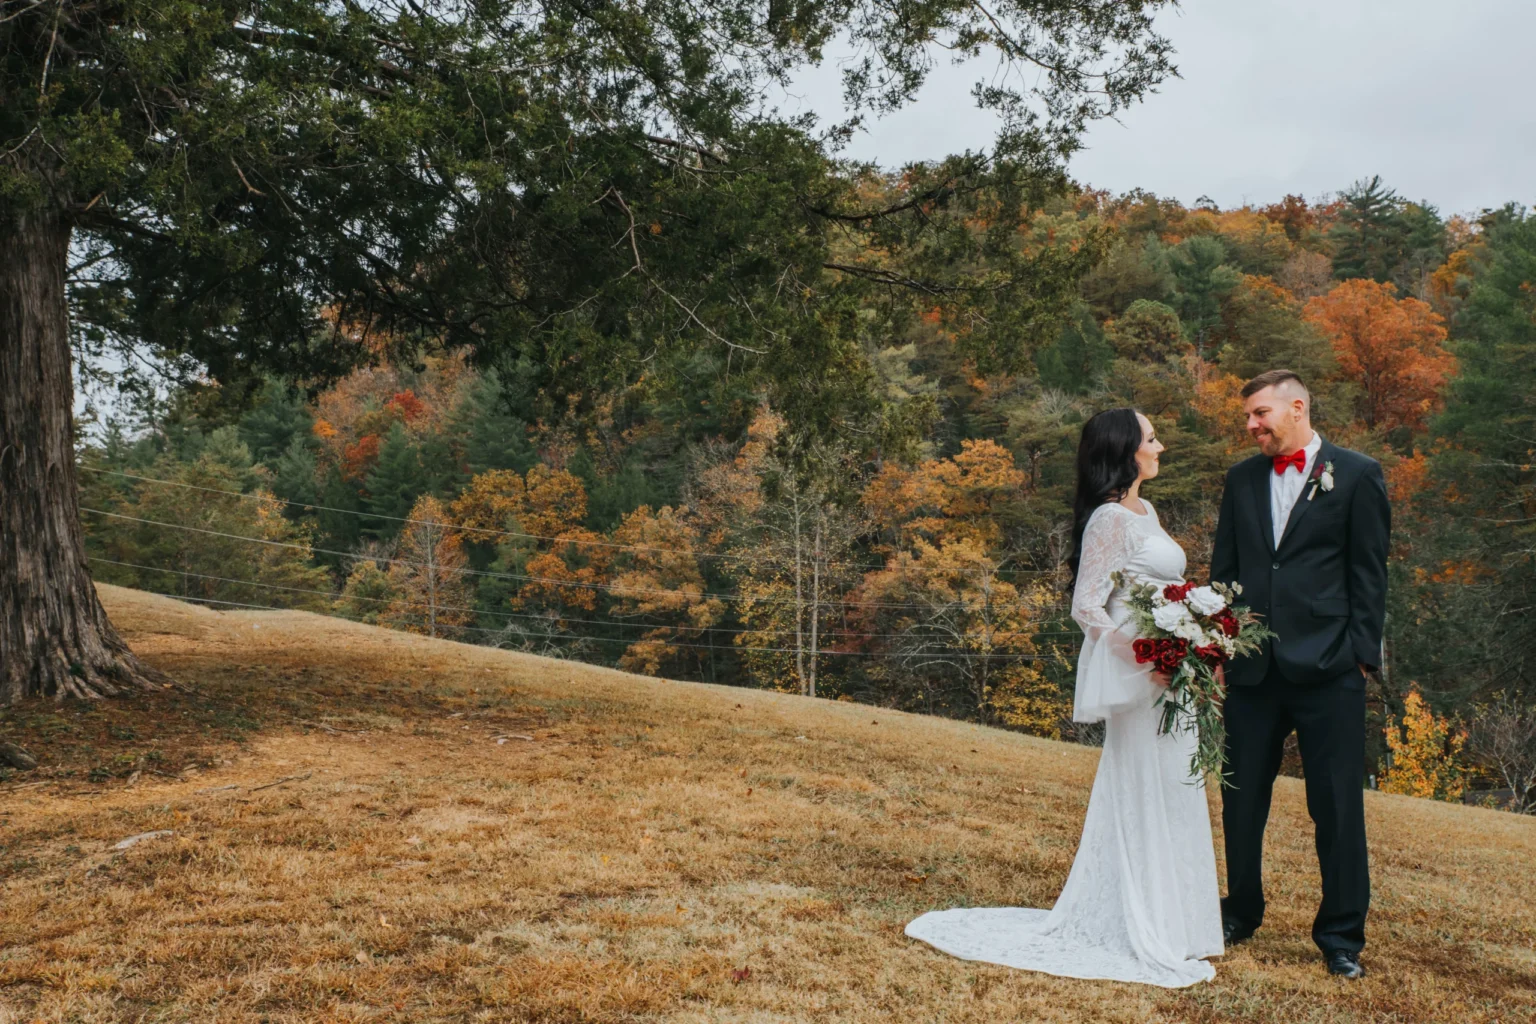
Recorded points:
1324,589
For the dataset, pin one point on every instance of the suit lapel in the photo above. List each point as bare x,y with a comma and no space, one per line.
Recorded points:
1261,498
1302,506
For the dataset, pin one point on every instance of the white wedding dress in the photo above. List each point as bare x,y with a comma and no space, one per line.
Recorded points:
1140,903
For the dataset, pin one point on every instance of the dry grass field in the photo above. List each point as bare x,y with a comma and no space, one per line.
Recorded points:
468,835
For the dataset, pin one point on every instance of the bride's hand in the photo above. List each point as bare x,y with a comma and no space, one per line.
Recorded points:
1162,679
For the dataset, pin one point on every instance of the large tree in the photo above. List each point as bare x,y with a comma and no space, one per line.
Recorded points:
580,191
1464,611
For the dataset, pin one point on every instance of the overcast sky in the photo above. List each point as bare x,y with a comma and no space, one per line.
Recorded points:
1281,96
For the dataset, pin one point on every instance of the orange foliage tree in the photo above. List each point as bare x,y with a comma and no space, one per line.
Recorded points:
1392,349
535,521
1218,401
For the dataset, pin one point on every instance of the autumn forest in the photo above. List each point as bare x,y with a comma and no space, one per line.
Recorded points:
680,524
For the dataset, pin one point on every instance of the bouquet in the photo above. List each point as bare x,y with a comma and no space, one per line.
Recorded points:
1187,632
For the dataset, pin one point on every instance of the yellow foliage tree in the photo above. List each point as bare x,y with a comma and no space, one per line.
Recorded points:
1425,754
949,498
657,580
958,638
431,594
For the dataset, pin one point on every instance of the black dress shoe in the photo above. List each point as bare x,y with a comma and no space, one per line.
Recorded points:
1344,964
1232,933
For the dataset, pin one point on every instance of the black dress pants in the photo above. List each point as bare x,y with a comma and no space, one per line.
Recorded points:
1329,721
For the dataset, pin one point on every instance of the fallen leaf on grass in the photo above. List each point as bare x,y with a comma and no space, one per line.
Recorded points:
740,975
917,879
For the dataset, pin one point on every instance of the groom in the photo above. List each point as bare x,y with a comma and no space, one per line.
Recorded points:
1304,528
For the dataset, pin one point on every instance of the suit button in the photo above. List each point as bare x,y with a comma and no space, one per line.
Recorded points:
1275,566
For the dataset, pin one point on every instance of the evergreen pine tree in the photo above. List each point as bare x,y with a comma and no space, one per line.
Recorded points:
270,425
1079,357
1370,236
340,528
1202,279
1465,615
397,480
293,476
491,435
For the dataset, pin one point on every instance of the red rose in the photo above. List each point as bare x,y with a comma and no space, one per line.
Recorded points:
1228,623
1211,654
1177,591
1171,653
1146,650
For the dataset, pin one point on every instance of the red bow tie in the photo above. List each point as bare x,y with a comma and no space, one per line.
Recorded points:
1297,459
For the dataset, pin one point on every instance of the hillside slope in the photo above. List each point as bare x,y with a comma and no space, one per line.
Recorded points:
470,835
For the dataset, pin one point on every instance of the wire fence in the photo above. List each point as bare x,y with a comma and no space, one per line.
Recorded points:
917,646
517,535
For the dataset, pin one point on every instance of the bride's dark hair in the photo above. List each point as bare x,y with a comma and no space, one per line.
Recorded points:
1106,468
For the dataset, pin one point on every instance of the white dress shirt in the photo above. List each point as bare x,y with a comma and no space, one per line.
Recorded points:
1285,488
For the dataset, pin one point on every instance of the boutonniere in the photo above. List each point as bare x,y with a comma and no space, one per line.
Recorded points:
1322,477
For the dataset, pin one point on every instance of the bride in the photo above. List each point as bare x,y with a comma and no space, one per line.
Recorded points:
1141,902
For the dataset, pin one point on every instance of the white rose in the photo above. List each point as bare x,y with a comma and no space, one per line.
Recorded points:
1170,616
1205,601
1190,630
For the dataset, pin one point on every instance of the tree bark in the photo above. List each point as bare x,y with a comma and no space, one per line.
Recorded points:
55,639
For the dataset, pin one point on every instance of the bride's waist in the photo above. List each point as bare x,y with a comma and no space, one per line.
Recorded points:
1117,606
1119,595
1130,579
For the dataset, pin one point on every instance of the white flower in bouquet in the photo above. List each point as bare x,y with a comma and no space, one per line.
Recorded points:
1190,630
1170,616
1205,601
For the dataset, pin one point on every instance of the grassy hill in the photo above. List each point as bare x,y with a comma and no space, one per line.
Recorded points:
471,835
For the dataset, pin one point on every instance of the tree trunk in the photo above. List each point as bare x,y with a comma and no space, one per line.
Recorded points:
799,601
815,604
55,639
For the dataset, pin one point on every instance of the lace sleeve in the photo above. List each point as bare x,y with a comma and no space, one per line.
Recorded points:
1109,541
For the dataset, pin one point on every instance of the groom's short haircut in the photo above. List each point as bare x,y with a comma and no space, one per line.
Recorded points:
1276,378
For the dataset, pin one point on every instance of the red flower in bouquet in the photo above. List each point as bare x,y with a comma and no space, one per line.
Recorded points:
1171,655
1228,623
1177,591
1211,654
1145,650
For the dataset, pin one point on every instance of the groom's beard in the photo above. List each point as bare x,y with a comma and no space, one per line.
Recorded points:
1270,444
